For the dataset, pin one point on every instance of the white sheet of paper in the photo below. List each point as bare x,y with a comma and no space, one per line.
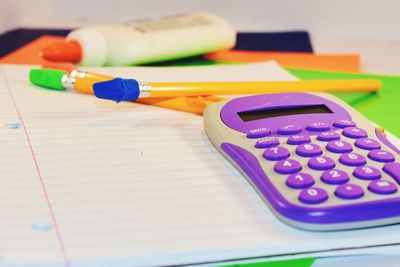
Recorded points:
87,182
263,71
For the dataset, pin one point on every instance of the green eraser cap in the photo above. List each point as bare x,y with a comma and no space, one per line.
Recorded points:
47,78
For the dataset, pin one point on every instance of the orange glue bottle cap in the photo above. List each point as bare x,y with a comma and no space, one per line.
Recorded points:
69,51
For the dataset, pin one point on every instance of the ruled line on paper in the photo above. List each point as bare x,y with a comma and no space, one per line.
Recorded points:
38,171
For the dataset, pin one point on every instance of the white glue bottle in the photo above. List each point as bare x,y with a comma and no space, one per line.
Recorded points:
144,41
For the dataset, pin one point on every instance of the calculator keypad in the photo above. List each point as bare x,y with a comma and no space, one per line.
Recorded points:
340,153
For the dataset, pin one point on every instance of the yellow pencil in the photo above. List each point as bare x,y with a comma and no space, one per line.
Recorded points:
129,89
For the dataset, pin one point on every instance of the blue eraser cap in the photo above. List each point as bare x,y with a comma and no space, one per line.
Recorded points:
117,89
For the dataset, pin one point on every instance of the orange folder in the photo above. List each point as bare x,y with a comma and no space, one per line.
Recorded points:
29,53
326,62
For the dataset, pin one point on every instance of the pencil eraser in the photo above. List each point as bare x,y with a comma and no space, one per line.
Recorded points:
47,78
117,89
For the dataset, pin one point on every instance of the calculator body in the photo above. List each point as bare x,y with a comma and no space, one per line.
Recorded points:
315,161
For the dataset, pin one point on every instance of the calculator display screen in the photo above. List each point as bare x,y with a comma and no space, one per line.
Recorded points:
278,112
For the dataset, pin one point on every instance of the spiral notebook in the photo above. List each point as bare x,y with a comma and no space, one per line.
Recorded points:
86,182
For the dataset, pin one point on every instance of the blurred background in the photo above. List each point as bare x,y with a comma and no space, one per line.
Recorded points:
361,19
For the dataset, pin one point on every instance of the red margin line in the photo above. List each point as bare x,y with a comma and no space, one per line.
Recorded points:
43,186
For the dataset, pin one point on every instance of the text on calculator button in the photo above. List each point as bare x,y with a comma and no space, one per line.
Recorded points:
354,132
367,173
328,136
335,177
258,132
308,150
344,123
321,163
298,139
318,126
382,187
313,195
381,156
352,159
287,166
349,191
267,142
289,129
299,180
338,146
367,144
276,153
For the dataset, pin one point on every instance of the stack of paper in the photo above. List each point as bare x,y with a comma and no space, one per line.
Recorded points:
86,182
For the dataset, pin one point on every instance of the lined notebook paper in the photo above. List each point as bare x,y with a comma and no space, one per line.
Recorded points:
86,182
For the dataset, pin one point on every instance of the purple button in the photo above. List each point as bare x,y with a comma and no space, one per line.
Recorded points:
335,177
344,123
367,173
308,150
354,132
258,132
352,159
299,180
367,144
276,153
313,195
289,129
349,191
298,139
381,156
382,187
287,166
328,136
321,163
393,169
338,146
267,142
318,126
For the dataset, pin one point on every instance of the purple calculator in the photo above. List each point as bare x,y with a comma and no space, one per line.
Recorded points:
315,161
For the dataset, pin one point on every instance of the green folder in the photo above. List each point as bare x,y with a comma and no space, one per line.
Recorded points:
306,262
382,108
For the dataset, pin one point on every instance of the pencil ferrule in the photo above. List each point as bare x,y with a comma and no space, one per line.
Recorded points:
77,74
144,89
68,81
